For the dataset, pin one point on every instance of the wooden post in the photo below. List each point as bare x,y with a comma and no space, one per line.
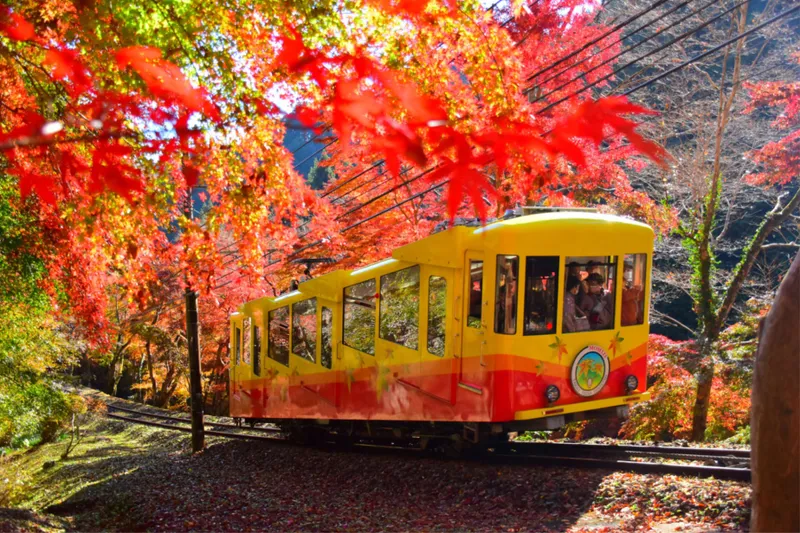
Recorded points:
193,344
195,377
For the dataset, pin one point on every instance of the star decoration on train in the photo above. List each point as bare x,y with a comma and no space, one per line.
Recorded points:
539,367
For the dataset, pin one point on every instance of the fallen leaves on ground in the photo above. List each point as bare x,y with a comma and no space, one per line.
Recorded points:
153,483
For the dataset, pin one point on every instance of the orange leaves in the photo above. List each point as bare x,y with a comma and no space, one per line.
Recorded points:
165,80
410,8
15,26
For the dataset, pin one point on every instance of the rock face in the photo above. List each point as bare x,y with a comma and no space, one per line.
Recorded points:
775,422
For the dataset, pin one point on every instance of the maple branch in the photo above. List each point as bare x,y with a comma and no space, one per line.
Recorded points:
671,320
779,245
774,219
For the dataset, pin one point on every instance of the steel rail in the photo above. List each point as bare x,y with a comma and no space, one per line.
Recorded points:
719,472
631,449
739,474
188,421
188,430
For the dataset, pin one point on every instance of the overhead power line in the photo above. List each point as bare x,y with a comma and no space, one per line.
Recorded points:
640,58
597,39
621,39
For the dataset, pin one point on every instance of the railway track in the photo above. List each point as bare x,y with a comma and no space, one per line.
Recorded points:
170,422
719,463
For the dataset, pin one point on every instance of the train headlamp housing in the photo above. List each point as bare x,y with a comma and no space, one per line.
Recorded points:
552,393
631,383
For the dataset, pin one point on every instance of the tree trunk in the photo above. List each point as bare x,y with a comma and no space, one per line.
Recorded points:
775,416
705,377
150,370
111,375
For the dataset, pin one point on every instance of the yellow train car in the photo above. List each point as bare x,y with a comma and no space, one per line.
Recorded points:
525,323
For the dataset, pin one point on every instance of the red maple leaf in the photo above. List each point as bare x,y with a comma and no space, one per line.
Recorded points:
109,169
165,80
298,58
65,64
43,186
15,26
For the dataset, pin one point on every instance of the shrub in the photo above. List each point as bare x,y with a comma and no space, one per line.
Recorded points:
668,415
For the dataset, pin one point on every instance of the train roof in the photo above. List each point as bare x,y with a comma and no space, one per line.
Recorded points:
549,233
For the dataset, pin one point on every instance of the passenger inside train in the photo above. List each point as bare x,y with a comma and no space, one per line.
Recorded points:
589,305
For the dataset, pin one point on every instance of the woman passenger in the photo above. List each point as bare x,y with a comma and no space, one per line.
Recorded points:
572,314
598,304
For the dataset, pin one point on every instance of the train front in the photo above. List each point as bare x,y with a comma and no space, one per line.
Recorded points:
567,320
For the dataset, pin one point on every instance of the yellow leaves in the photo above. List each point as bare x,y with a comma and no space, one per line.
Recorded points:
518,7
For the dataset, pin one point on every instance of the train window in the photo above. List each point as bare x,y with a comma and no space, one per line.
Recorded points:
359,316
475,293
256,350
278,335
326,351
246,341
237,345
304,329
541,286
589,293
399,320
437,304
633,274
505,316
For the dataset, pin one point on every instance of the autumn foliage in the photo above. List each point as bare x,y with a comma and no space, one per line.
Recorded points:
147,149
779,160
668,415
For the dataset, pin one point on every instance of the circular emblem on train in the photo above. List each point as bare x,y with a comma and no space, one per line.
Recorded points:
590,371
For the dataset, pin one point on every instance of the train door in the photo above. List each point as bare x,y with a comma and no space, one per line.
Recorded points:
473,324
236,357
437,366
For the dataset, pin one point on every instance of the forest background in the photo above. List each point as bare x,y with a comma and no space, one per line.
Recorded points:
122,181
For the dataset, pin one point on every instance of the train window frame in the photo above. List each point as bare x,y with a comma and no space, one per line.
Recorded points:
271,344
373,317
247,326
326,348
475,321
642,288
391,297
296,325
237,345
528,301
256,349
442,318
610,263
509,327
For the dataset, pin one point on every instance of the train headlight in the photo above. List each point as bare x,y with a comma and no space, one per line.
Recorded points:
631,383
552,393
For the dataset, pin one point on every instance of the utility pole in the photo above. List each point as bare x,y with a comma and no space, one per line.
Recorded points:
193,343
